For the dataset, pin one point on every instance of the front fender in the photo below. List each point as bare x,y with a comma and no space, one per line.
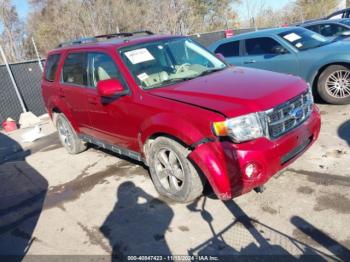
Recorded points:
170,124
315,69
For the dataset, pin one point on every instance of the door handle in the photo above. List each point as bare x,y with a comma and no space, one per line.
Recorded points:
252,61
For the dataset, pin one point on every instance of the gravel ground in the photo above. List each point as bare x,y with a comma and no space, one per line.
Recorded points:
94,203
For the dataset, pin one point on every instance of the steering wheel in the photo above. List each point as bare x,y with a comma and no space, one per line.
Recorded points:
182,67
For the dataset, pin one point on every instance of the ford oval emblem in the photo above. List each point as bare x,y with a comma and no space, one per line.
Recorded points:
296,113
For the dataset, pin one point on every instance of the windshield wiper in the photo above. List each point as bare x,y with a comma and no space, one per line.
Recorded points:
207,72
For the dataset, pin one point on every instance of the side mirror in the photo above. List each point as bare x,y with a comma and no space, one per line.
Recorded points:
279,50
109,87
220,56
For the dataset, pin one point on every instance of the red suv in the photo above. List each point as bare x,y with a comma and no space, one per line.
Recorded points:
169,102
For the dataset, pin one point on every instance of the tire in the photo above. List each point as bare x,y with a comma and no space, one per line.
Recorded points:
333,85
68,137
173,175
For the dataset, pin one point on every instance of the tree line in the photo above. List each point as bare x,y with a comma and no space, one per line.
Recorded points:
51,22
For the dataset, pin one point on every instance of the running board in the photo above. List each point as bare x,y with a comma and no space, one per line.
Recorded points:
116,149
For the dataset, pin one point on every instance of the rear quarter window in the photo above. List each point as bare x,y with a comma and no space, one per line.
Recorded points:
228,49
51,67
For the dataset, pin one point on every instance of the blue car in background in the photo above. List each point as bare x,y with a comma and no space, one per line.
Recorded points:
324,64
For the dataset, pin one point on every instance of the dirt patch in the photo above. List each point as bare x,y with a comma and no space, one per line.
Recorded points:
337,153
269,210
335,201
305,190
72,190
184,228
323,178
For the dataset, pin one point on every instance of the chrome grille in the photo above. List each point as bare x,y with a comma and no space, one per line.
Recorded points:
289,115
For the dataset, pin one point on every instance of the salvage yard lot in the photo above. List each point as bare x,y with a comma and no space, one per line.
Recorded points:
95,203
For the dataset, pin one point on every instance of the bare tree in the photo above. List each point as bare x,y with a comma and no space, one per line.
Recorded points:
12,35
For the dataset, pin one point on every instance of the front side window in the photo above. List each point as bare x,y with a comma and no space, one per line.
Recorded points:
74,69
329,30
261,46
51,67
101,67
303,39
159,63
229,49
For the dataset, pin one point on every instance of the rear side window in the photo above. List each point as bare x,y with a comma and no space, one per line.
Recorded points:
51,67
74,69
260,46
228,49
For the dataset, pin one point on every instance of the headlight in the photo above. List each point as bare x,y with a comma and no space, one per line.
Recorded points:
241,128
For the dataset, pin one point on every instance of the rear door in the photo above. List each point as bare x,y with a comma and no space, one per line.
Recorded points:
73,85
266,53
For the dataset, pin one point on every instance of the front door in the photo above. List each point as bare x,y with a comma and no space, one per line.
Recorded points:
109,116
268,54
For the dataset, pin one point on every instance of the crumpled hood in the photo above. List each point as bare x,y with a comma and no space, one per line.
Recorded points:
235,91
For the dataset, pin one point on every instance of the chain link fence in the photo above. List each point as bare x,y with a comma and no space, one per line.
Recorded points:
27,77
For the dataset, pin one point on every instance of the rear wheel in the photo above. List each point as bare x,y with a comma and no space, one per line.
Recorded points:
172,173
68,136
334,85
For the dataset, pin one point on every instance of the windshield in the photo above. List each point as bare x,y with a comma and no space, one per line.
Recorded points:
304,39
155,64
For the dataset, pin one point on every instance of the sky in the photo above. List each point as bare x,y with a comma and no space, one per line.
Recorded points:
23,7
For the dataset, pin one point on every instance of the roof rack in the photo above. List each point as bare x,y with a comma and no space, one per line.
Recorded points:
79,41
125,34
94,39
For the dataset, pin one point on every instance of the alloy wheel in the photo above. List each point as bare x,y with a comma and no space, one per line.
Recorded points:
169,170
65,133
338,84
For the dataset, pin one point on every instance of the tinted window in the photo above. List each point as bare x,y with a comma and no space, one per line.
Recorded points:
260,46
101,67
331,29
74,69
51,67
314,28
228,49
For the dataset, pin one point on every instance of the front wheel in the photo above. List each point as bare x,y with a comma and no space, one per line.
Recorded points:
173,175
334,85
